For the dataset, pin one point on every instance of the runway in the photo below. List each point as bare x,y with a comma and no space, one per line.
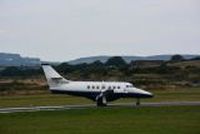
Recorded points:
68,107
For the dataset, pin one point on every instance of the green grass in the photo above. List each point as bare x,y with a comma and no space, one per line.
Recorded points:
44,100
186,94
146,120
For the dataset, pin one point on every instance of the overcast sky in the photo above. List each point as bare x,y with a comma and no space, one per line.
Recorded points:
61,30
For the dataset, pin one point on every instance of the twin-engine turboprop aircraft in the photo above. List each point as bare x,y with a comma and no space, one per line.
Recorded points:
101,92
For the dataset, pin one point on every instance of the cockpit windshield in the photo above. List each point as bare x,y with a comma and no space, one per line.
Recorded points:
129,86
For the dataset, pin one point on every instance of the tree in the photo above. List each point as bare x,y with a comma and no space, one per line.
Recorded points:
97,63
20,71
196,58
177,58
65,68
116,62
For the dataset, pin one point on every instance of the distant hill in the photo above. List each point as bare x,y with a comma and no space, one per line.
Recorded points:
128,59
7,59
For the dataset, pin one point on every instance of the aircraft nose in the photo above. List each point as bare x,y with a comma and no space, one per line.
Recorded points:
149,95
144,93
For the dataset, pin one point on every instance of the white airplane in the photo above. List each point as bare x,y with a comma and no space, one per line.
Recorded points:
101,92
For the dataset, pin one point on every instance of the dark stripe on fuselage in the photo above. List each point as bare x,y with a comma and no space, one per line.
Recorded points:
93,95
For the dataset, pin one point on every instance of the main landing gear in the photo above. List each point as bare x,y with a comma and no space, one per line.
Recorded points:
102,102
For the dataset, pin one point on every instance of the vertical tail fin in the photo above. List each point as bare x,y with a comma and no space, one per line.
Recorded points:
53,78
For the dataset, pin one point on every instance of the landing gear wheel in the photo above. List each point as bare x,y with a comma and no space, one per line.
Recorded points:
100,104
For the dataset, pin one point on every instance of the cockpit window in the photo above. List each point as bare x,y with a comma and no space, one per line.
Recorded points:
129,86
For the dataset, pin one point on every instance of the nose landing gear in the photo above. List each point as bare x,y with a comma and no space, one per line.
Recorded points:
138,102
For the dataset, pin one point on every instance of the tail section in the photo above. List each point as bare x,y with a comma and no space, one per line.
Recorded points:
53,78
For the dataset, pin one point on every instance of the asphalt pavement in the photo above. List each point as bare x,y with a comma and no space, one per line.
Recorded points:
113,105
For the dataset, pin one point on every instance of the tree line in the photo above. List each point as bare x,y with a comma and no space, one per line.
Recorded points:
116,69
115,64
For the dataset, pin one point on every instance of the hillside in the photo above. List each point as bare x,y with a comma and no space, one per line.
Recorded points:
7,59
128,59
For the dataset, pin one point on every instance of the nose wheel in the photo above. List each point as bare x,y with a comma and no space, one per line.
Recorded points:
138,102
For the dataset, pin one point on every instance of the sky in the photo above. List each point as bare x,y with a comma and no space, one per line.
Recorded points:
62,30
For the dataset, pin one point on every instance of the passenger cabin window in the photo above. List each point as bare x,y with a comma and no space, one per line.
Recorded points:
93,87
118,87
97,87
88,87
103,87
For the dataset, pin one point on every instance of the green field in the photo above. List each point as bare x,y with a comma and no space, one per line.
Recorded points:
145,120
186,94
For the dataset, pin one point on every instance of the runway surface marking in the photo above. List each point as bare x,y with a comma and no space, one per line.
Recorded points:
67,107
